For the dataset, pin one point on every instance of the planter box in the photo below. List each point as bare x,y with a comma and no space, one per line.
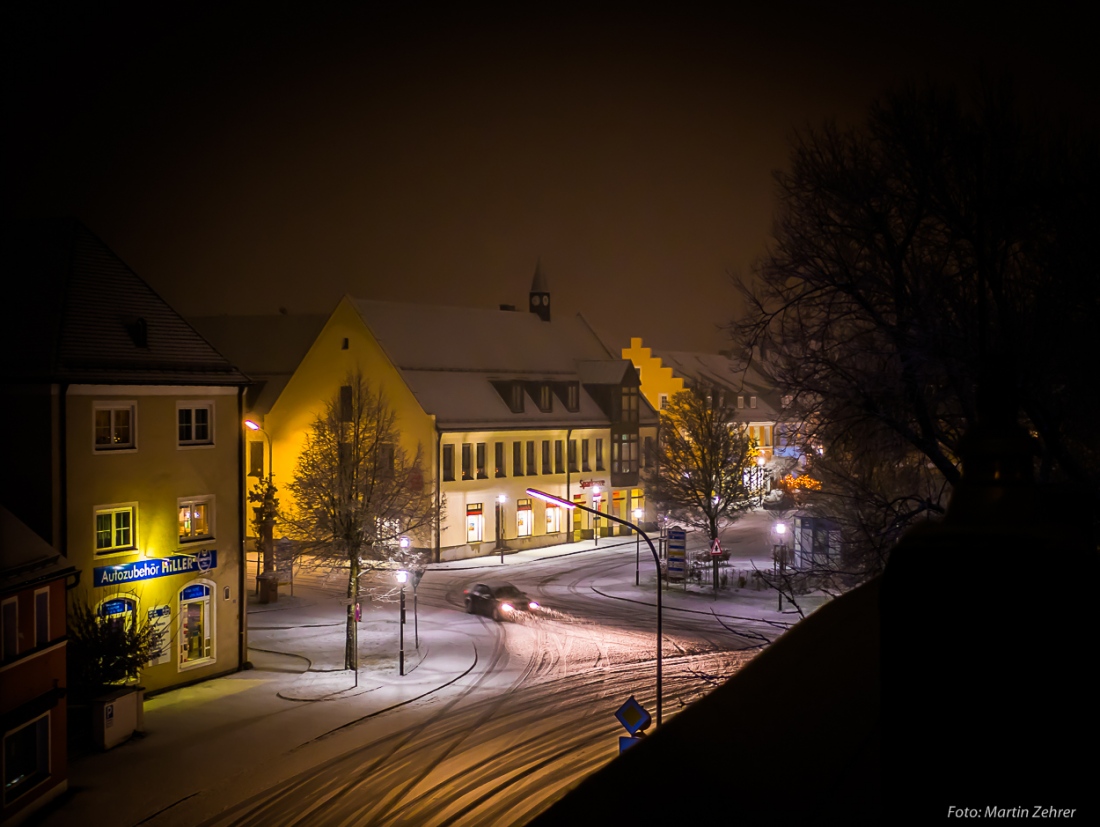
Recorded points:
117,715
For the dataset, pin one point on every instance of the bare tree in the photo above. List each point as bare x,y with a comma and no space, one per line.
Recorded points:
940,244
357,492
698,475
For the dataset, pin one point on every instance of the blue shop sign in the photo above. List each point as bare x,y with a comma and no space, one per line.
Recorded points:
155,567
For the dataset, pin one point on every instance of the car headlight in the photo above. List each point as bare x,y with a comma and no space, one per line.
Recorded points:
506,607
534,605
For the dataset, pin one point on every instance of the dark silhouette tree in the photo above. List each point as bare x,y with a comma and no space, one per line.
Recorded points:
942,243
698,475
356,492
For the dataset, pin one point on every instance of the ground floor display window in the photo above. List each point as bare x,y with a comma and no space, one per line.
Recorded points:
553,519
475,523
524,518
121,610
196,619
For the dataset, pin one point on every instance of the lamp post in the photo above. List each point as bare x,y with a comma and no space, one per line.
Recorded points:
267,529
558,501
596,522
638,549
501,499
779,555
404,543
760,461
402,576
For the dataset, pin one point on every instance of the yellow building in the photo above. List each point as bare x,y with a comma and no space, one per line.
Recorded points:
499,401
665,373
129,459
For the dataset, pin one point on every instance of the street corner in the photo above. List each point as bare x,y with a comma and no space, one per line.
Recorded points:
336,685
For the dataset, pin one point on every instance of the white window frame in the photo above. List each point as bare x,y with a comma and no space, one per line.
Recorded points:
525,518
128,405
114,508
190,502
662,401
193,406
210,636
475,524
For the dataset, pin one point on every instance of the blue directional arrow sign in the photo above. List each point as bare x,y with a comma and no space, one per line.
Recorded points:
633,716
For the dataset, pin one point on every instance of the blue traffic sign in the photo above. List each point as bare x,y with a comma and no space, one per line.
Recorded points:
633,716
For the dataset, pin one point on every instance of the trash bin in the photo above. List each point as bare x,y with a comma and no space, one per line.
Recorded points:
269,587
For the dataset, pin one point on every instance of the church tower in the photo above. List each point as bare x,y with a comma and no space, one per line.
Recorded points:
540,294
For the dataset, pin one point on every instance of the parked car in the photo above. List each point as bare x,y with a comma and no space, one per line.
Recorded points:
778,499
500,601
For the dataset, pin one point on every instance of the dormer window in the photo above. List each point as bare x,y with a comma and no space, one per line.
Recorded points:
516,398
573,396
545,405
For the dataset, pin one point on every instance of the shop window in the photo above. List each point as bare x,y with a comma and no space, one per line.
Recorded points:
517,459
196,519
524,518
467,463
481,475
115,426
196,632
114,528
448,462
599,454
196,423
26,757
498,457
475,523
118,610
553,519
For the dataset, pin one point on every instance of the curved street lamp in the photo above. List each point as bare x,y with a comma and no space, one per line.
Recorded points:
558,501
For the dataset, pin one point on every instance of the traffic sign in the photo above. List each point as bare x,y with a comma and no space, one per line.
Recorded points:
627,741
716,547
677,542
633,716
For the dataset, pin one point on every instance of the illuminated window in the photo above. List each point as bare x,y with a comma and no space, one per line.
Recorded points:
467,463
196,519
475,523
118,611
26,757
481,475
196,624
114,528
662,401
553,519
448,462
524,518
196,423
114,426
624,454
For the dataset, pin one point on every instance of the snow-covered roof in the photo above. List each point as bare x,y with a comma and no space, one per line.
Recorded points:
721,371
450,357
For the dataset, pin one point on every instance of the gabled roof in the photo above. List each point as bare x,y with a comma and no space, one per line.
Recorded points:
721,371
25,558
450,358
82,315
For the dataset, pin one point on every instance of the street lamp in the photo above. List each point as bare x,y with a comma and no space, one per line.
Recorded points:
402,576
404,543
779,556
760,461
267,527
638,513
501,499
558,501
596,522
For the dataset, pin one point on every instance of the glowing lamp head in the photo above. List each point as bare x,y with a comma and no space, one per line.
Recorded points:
780,529
403,542
502,498
402,576
638,513
760,461
252,426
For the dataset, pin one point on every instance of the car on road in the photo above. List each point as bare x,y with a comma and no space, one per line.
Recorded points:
500,601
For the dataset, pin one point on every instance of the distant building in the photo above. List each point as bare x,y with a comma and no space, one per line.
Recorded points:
127,450
666,373
499,400
33,681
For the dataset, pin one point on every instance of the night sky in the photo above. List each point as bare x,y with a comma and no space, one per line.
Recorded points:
255,159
